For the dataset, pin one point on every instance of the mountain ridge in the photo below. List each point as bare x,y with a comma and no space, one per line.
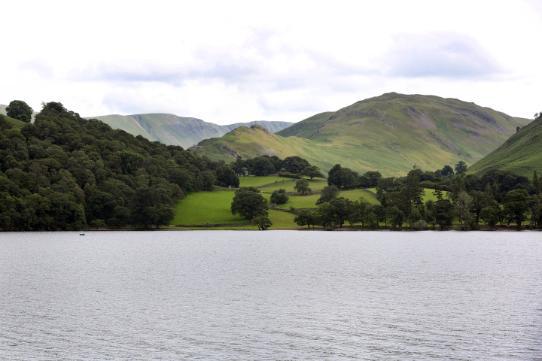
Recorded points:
176,130
391,133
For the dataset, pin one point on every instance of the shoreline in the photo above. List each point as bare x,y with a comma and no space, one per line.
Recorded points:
217,229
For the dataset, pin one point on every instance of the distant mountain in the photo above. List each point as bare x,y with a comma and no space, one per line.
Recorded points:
390,133
521,154
174,130
3,109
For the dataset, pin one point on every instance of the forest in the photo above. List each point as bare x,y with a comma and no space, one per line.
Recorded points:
462,201
63,172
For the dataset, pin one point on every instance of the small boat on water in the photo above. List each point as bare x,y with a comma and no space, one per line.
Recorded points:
81,234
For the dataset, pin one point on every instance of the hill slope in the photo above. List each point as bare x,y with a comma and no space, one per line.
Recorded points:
521,154
174,130
63,172
391,133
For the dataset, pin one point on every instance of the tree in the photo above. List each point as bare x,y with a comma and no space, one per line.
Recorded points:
490,215
306,217
430,213
444,213
279,197
446,171
412,189
370,179
249,203
358,213
463,206
516,205
461,167
342,207
342,177
207,180
535,205
334,213
380,213
414,217
480,200
295,164
328,194
537,185
302,186
262,221
312,171
226,177
261,166
18,109
395,217
371,218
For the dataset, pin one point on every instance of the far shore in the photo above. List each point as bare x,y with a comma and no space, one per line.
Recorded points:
239,229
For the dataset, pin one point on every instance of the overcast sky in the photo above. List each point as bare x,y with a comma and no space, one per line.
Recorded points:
231,61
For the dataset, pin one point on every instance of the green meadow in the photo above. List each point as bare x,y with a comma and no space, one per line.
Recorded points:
206,208
212,209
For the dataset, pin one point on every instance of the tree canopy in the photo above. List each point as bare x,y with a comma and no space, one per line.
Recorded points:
63,172
18,109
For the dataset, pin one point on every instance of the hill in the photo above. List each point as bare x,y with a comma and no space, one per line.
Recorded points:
174,130
63,172
391,133
521,154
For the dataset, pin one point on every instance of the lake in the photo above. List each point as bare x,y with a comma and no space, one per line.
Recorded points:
276,295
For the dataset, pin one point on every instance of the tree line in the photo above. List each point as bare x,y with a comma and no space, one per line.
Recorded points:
63,172
464,201
294,167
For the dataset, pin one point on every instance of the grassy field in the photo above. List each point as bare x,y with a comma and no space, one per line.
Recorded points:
260,181
360,194
308,201
206,208
316,185
282,220
212,209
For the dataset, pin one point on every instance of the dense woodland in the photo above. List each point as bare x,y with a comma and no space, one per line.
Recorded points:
63,172
463,201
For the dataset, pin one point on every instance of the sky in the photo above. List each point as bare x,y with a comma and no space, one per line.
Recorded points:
232,61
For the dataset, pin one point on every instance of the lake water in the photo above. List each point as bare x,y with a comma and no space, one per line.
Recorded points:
271,296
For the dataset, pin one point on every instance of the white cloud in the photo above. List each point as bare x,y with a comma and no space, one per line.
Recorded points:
279,60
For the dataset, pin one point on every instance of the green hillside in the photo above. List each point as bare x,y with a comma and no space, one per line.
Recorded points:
521,154
174,130
390,133
63,172
15,123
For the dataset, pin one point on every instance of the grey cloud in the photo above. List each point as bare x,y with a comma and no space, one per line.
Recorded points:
247,67
176,75
439,55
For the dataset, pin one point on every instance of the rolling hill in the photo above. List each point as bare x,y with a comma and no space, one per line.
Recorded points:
390,133
521,154
174,130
